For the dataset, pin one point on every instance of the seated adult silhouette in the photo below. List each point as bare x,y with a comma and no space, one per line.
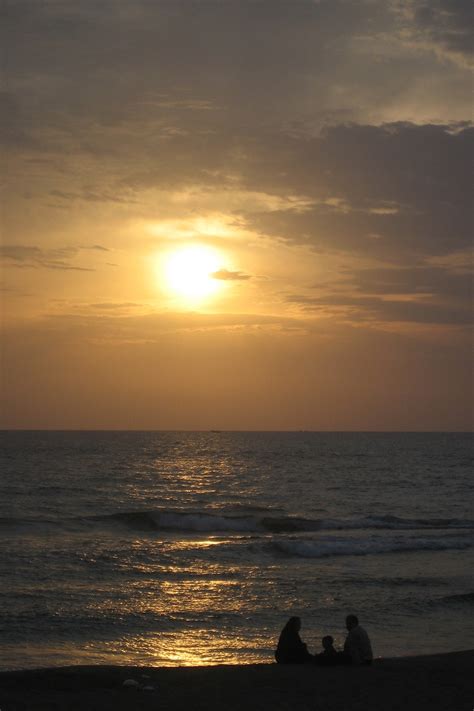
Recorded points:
291,649
357,646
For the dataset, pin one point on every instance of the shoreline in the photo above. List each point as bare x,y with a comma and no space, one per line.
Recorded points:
438,682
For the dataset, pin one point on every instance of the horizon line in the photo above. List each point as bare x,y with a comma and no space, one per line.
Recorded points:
244,431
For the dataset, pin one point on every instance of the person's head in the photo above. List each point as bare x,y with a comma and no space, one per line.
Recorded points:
293,624
351,622
327,642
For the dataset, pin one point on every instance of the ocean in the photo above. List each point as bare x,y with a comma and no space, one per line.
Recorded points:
185,548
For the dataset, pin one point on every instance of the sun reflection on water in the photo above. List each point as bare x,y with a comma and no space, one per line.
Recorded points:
199,614
193,647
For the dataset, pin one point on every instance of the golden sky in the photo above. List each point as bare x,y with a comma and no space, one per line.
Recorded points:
231,214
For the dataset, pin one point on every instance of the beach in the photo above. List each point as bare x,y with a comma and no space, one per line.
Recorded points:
441,682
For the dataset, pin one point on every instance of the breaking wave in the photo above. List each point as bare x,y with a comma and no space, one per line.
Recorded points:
200,521
251,522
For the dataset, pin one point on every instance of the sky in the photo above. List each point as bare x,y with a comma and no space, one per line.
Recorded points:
236,214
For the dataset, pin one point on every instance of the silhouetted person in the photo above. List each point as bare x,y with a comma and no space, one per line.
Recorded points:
329,656
357,646
328,646
290,649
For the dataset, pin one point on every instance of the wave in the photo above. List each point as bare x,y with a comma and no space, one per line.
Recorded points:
462,599
252,520
395,522
338,547
18,522
201,521
182,521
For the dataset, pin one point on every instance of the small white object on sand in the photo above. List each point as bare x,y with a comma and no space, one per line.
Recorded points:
131,683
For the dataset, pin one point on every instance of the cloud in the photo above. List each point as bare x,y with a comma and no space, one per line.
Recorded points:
226,275
424,295
30,256
443,25
92,196
168,102
371,308
241,63
19,253
113,306
115,322
408,184
15,130
410,280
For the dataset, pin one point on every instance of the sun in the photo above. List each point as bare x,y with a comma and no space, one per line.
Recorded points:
188,272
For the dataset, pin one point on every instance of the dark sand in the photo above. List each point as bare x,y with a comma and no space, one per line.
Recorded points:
442,682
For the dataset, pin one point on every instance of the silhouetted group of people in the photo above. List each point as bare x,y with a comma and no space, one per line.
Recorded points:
292,650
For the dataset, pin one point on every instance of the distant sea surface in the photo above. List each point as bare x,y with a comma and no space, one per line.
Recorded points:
174,548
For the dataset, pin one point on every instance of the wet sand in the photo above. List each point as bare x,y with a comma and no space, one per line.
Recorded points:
442,682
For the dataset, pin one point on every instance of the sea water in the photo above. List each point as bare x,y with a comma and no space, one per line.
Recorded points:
174,548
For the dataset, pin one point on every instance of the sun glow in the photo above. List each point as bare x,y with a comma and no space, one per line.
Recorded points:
189,272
